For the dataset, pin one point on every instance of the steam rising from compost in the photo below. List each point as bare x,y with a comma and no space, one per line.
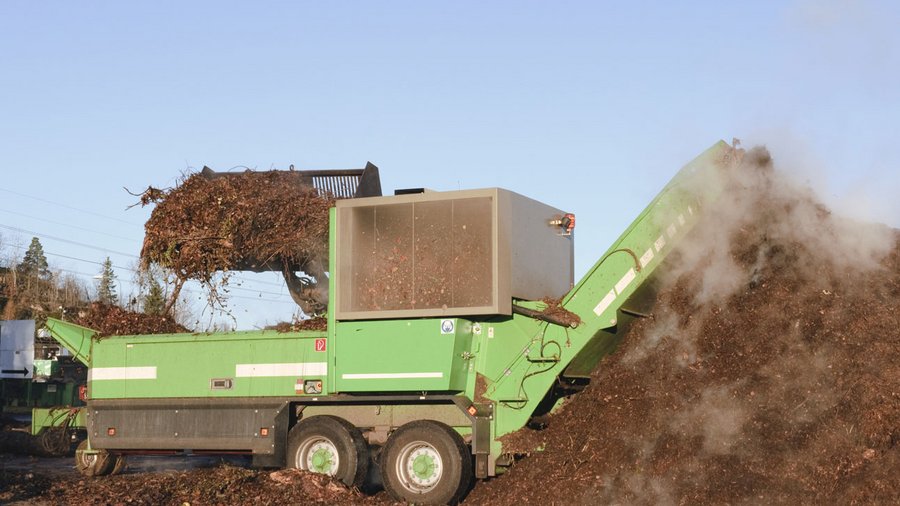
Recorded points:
768,370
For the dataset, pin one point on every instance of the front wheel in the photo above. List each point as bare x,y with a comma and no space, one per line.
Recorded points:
426,462
93,463
55,441
329,445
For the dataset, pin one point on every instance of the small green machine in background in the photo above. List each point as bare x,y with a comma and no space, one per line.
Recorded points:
439,343
49,390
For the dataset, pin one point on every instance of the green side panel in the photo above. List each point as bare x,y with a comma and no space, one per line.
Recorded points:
108,354
239,364
42,418
594,350
599,346
503,343
424,355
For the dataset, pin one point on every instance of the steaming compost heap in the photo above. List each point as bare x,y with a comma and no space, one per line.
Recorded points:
768,373
258,221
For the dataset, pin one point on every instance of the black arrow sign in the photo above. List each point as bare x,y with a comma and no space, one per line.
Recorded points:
22,371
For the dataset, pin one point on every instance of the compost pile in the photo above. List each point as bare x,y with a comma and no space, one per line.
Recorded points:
221,485
259,221
109,320
768,373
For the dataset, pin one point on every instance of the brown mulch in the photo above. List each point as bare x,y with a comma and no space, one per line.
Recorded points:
217,486
317,323
22,486
769,373
558,313
110,320
244,221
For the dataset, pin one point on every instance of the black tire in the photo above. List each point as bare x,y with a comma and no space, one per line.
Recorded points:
93,464
316,442
426,462
55,442
119,464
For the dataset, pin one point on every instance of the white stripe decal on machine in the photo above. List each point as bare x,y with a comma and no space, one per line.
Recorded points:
392,375
660,243
625,281
121,373
646,258
671,231
605,303
275,370
681,219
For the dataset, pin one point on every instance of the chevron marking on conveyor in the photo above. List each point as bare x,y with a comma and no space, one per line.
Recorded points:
605,302
625,281
646,258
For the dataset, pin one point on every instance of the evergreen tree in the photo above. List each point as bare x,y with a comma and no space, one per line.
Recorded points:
155,299
106,291
34,264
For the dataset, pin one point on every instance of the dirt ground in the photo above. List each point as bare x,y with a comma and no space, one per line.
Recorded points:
169,481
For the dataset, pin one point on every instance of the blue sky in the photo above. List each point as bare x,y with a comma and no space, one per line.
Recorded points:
588,106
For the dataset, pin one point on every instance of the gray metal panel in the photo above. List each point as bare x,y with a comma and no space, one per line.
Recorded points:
453,253
171,424
339,183
17,349
542,260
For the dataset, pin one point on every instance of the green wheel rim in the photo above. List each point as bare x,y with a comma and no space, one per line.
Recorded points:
419,467
319,455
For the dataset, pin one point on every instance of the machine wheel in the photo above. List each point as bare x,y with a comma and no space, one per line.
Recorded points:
426,462
119,464
329,445
55,441
93,464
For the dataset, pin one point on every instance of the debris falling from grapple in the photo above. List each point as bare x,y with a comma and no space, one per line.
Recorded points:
258,221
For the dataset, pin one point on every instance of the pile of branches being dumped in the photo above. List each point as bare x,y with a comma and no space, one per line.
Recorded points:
110,320
257,221
768,373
